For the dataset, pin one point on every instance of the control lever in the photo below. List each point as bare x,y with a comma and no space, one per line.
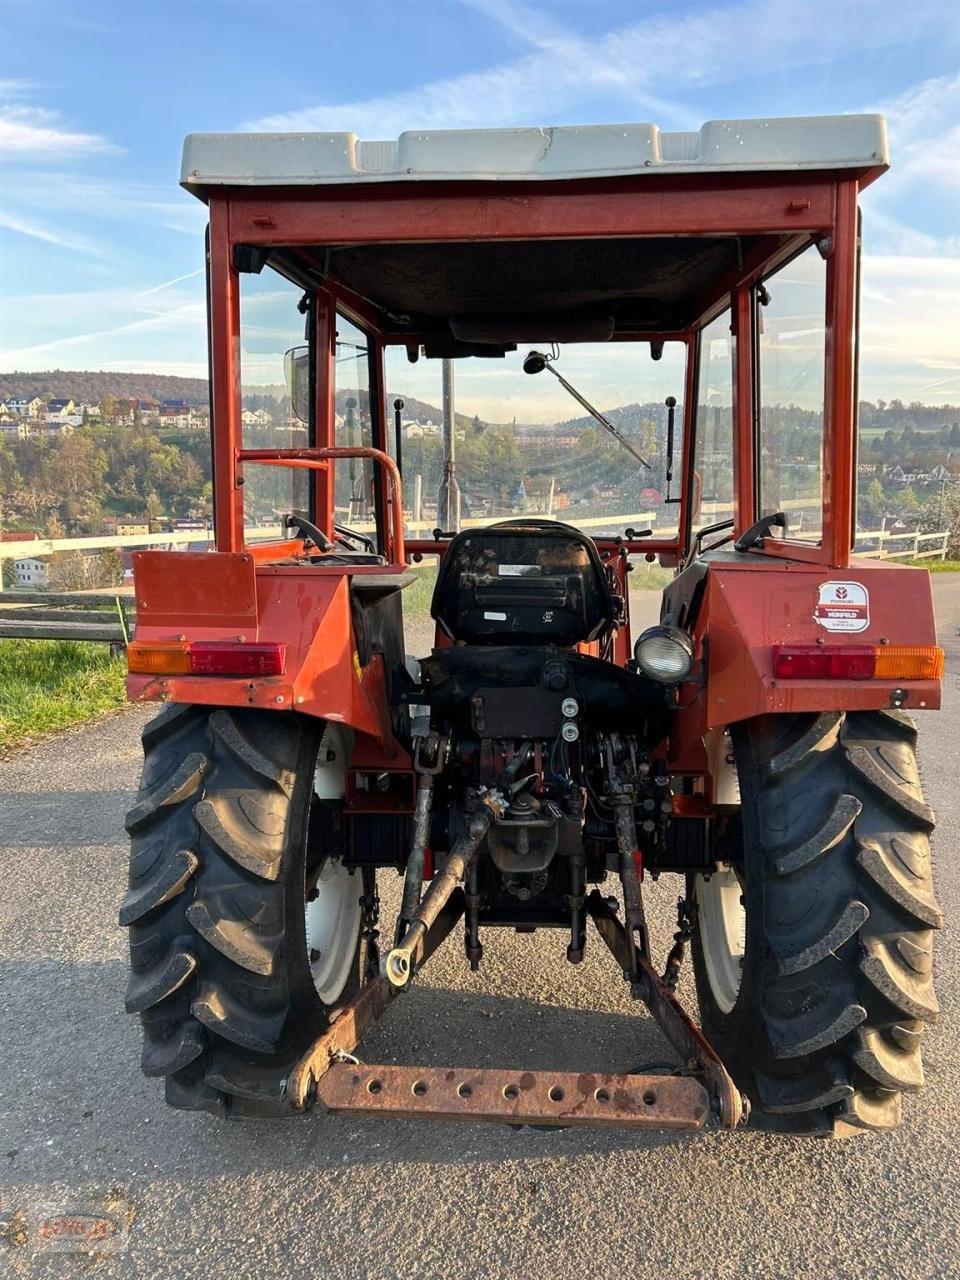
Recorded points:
752,536
307,527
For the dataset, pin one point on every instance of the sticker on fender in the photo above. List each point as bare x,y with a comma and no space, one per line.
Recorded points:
842,606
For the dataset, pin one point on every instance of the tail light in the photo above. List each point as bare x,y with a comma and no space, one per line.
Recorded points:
857,662
207,658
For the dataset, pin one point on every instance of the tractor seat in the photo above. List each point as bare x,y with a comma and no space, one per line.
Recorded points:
523,582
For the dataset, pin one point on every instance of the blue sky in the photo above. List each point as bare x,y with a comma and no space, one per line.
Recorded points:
101,252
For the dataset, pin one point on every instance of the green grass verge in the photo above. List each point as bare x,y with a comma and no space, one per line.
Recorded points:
48,685
935,566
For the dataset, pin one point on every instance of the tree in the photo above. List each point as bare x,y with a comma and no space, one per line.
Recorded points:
9,475
871,505
109,408
950,520
79,571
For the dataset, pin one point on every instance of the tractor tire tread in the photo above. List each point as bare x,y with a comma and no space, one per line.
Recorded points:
838,984
223,800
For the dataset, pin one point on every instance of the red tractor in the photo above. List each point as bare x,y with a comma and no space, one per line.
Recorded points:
757,741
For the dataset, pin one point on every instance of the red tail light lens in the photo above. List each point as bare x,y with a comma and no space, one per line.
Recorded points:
226,658
817,662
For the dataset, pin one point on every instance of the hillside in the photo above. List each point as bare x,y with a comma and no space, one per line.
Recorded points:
89,387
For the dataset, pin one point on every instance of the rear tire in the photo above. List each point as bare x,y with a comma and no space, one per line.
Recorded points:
220,970
825,1025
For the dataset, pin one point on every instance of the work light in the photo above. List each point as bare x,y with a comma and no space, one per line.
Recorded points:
665,654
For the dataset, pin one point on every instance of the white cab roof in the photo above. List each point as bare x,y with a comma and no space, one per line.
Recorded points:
490,155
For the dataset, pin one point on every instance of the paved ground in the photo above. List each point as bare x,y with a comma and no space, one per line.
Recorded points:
340,1198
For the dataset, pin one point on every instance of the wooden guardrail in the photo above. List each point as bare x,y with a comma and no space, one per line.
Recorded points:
105,616
912,544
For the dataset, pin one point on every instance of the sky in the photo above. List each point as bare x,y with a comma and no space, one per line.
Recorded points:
101,252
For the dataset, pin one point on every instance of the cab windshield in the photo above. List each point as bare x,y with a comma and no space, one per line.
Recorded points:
523,445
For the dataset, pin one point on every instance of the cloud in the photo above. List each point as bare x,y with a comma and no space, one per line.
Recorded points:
78,193
55,329
924,127
528,24
35,131
910,317
167,284
49,235
11,89
627,66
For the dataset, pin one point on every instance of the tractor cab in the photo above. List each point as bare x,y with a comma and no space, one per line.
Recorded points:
523,365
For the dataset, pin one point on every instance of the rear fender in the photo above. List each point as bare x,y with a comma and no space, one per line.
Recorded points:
739,607
226,596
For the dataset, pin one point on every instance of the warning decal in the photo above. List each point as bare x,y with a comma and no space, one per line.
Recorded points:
843,606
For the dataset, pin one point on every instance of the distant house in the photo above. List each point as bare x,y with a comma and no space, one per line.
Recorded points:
63,412
255,418
143,407
12,426
543,436
415,430
30,572
174,413
27,406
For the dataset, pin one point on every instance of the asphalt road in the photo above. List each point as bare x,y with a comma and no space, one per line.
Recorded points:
325,1197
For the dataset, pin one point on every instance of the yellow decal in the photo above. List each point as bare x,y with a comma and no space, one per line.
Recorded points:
356,665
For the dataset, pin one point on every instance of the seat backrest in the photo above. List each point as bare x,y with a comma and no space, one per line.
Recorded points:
523,582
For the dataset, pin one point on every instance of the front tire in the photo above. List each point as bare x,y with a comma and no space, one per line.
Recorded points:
229,988
818,997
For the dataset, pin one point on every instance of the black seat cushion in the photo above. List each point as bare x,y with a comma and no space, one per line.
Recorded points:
523,582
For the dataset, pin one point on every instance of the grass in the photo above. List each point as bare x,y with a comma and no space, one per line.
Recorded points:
935,566
49,685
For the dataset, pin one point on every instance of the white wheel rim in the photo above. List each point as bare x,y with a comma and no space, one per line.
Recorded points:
723,934
333,921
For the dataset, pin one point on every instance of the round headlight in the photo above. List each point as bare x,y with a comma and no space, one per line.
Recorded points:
664,654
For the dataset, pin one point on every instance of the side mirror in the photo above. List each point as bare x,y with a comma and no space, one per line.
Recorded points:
296,373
